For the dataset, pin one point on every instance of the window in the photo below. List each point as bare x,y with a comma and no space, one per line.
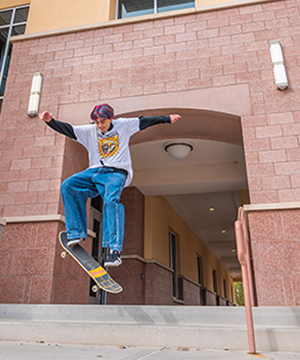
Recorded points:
12,22
173,262
214,277
200,277
130,8
199,269
224,289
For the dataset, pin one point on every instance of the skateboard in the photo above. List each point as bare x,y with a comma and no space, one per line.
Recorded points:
103,280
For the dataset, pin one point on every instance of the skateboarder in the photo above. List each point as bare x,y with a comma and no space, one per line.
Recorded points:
110,170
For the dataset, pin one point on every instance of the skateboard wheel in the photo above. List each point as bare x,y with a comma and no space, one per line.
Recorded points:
95,288
64,254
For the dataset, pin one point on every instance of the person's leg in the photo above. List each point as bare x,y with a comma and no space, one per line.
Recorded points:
113,224
75,191
110,184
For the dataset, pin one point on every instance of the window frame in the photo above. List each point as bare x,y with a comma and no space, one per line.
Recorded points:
155,8
173,258
215,280
200,269
10,27
200,277
224,288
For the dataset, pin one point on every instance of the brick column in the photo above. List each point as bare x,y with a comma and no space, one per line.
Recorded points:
275,248
131,274
271,141
34,162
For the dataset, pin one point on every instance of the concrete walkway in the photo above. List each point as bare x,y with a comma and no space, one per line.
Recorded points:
48,351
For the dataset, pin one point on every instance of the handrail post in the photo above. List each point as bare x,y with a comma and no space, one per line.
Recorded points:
243,257
247,243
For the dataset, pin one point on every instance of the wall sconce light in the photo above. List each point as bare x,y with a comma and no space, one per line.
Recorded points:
178,150
278,65
35,94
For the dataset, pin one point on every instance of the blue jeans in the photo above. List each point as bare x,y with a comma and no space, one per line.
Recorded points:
89,183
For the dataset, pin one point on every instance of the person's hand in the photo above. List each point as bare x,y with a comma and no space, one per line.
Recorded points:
45,116
174,118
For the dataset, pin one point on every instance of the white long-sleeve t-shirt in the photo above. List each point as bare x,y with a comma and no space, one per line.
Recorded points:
111,148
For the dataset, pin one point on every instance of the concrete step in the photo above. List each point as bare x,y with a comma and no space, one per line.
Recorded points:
276,329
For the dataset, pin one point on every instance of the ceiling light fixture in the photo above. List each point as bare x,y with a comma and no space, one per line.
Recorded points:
178,150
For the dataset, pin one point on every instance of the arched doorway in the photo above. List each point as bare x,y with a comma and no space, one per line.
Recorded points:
213,176
204,190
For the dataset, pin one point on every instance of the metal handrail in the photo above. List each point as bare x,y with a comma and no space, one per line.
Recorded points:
242,240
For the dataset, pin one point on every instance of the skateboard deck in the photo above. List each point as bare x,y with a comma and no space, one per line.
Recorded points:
90,265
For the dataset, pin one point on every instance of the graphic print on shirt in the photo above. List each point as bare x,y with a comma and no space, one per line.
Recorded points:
109,147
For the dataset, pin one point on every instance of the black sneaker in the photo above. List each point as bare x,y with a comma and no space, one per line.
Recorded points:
114,259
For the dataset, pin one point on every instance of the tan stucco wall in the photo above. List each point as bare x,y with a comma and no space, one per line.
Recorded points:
53,15
4,4
159,219
57,14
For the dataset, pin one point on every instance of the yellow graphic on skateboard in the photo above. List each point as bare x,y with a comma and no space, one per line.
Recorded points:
97,272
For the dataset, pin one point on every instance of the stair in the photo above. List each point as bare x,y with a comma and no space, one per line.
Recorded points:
276,328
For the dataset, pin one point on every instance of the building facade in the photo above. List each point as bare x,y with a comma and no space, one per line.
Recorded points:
209,61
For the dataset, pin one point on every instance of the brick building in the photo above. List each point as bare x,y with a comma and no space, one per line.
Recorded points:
207,60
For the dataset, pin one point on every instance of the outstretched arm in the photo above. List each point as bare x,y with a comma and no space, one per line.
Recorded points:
59,126
147,121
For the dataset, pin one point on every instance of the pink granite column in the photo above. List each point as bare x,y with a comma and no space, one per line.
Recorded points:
131,274
275,238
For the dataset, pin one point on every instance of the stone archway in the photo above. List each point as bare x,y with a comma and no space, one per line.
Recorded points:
214,171
195,124
233,100
208,125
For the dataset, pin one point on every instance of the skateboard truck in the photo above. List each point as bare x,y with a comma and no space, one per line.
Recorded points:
64,254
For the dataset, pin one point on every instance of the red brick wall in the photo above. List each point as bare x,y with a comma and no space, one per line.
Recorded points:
32,269
276,250
158,288
204,50
133,201
222,301
270,134
211,298
191,292
70,281
27,256
131,276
